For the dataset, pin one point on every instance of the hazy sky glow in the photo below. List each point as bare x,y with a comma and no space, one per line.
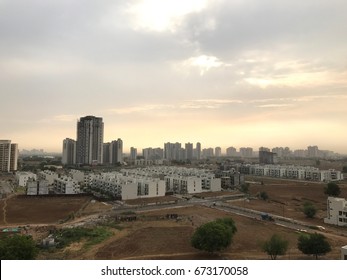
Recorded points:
222,72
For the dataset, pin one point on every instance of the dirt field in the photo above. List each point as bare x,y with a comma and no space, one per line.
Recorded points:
165,239
287,198
39,210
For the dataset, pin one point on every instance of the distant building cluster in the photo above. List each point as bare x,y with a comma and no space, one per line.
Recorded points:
89,149
291,172
8,156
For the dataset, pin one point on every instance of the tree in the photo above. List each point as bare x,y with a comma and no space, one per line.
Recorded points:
17,247
332,189
244,188
313,244
263,195
275,246
214,236
309,210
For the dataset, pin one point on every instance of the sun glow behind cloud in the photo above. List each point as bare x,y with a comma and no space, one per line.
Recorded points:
162,15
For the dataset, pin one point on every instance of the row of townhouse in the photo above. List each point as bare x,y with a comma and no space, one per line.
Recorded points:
292,172
180,180
125,187
152,182
127,184
45,182
66,185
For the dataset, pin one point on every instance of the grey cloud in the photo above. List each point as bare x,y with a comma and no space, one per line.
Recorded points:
96,31
266,24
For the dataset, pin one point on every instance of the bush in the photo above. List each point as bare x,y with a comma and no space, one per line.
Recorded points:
18,247
92,235
309,210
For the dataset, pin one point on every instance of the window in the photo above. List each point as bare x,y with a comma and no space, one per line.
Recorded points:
340,213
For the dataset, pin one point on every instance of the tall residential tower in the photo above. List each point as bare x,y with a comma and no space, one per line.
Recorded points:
69,151
8,156
89,144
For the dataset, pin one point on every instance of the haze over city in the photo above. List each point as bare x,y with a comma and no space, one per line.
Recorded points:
223,73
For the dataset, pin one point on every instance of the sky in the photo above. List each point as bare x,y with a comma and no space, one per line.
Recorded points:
241,73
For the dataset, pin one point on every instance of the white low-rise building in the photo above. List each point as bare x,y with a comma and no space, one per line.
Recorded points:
39,187
48,175
127,187
66,185
153,182
336,211
77,175
293,172
23,177
183,184
32,188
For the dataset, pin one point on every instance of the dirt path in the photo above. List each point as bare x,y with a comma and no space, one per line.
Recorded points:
4,211
158,255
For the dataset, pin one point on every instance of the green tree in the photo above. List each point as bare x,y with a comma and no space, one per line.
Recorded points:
263,195
332,189
17,247
214,236
309,210
275,246
244,188
313,244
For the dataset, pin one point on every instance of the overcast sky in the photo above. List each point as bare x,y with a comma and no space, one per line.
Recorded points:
223,72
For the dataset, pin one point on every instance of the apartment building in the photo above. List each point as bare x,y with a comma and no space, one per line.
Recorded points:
291,172
48,175
336,211
8,156
231,152
183,184
127,187
69,152
89,143
22,178
66,185
37,187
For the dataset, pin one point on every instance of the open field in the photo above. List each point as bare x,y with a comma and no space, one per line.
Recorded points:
39,210
287,198
170,239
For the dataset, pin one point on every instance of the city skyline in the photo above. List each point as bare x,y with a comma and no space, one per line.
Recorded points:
223,73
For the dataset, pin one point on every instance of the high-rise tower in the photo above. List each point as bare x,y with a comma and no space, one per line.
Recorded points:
90,137
69,151
117,151
8,156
